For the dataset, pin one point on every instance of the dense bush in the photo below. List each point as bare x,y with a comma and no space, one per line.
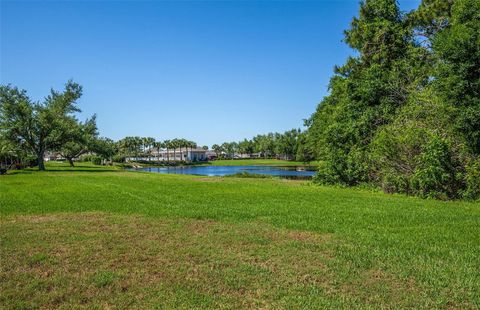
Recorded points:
472,180
420,152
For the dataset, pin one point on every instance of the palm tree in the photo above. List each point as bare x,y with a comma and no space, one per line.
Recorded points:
174,145
158,145
217,149
137,144
147,143
167,144
191,145
182,143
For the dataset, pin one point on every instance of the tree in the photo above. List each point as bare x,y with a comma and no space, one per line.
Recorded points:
104,147
168,146
217,149
286,144
147,143
158,145
404,113
245,147
457,69
174,144
365,92
38,127
82,139
10,153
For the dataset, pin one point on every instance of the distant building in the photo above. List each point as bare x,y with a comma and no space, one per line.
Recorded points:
52,156
197,154
211,155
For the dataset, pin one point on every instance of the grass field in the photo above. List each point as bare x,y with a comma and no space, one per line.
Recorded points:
97,237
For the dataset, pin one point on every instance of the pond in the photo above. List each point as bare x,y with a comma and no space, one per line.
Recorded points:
284,172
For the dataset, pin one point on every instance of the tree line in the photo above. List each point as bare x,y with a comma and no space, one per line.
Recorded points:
141,147
404,113
29,130
287,145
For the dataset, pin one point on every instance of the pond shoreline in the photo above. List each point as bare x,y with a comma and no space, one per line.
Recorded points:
293,172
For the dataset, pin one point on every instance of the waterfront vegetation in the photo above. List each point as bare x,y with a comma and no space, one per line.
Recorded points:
402,114
104,237
402,117
266,162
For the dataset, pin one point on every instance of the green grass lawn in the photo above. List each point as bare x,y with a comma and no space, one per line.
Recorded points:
100,237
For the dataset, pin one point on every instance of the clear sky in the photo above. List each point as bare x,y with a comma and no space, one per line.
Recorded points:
205,71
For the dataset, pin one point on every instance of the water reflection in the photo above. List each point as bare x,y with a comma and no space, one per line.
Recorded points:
285,172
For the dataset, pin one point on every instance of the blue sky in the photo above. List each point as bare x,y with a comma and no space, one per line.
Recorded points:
205,71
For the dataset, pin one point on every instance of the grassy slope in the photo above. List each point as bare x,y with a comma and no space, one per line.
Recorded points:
139,239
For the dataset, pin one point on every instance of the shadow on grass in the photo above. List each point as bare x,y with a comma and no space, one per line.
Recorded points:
61,169
79,170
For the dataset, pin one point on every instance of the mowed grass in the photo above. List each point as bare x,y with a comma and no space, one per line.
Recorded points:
97,237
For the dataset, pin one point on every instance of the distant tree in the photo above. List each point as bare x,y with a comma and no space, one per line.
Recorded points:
174,144
286,144
105,148
82,139
218,150
168,145
245,147
205,147
230,149
147,144
38,127
158,145
192,145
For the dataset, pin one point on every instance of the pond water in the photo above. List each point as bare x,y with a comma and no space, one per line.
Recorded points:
285,172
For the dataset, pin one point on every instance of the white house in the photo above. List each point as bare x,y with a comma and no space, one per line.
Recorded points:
183,154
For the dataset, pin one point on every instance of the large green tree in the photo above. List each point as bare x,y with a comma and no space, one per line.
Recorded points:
36,126
365,92
457,69
82,139
404,113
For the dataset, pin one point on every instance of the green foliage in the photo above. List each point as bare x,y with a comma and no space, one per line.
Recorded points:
118,158
104,147
472,180
82,139
38,127
419,152
457,69
434,174
405,113
96,160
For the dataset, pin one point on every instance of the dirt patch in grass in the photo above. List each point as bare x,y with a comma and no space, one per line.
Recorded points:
98,260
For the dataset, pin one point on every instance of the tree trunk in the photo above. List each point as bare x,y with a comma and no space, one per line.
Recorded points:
70,161
41,164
